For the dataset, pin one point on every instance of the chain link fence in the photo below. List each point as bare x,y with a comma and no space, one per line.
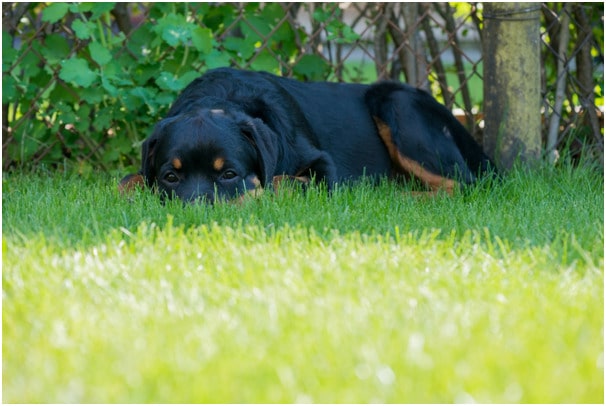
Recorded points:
84,83
573,78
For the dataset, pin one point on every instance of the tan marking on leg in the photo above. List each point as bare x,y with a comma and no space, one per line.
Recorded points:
218,164
410,166
280,180
255,180
286,185
249,194
177,164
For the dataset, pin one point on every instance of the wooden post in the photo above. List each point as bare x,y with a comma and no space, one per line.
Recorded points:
512,83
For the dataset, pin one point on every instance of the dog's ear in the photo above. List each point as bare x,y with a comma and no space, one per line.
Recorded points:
146,176
265,142
148,150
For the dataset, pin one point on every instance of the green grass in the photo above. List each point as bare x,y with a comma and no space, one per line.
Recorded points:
370,295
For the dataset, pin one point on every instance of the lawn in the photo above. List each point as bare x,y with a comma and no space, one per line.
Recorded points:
367,295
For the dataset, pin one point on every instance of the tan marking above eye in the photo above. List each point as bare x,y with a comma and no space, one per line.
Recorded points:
218,164
177,164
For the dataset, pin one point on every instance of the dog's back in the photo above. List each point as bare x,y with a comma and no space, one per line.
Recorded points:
332,116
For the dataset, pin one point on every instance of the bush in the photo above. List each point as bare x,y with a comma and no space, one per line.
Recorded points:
84,83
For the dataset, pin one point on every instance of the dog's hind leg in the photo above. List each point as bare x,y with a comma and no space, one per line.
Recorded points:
405,165
422,130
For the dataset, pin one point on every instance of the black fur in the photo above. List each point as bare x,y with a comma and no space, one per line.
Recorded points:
258,126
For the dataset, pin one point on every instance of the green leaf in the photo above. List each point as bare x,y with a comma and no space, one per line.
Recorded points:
174,29
111,89
99,53
272,12
54,12
95,9
144,73
42,80
245,48
92,95
218,17
102,120
321,15
138,96
168,81
83,118
9,89
28,145
311,67
61,93
82,29
83,7
139,42
265,62
165,98
100,8
172,82
146,94
54,49
77,71
113,71
202,38
256,28
188,77
217,59
9,54
65,112
341,33
349,34
174,34
31,64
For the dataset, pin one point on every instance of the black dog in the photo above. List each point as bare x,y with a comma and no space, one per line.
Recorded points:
231,131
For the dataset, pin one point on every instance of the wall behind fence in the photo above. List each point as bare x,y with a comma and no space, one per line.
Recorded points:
83,84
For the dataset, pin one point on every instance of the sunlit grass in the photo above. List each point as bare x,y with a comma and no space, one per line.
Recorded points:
369,295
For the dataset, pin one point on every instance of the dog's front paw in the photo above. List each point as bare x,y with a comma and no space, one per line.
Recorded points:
129,183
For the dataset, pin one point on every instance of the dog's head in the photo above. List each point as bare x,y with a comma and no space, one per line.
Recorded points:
209,155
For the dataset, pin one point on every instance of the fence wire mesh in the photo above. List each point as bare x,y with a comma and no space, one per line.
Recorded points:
572,75
85,83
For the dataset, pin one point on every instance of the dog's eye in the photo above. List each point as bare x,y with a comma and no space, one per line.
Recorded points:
229,174
171,177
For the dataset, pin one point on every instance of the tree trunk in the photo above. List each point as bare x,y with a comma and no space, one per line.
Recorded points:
512,78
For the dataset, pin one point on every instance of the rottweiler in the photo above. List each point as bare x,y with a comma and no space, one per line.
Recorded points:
233,131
